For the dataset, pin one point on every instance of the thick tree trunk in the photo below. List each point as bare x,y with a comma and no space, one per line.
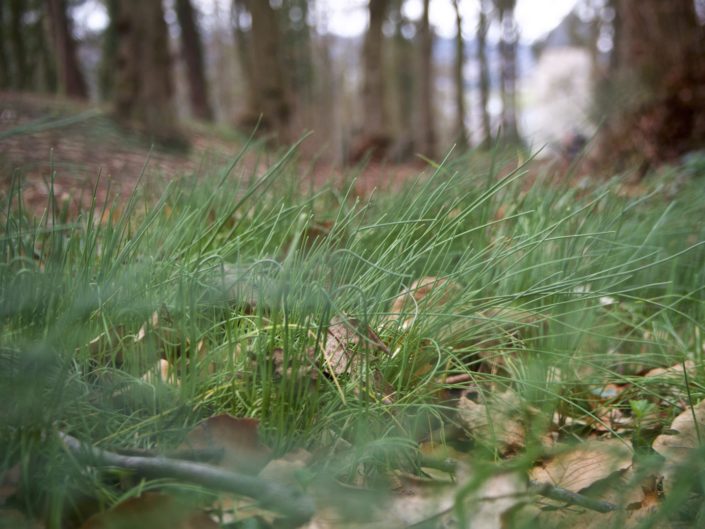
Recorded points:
109,46
460,111
192,52
71,81
508,69
267,74
484,73
427,133
20,73
660,76
143,78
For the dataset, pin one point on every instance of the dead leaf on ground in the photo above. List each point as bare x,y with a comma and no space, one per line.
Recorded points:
238,438
285,470
429,291
583,465
497,421
9,483
677,446
346,344
152,511
640,502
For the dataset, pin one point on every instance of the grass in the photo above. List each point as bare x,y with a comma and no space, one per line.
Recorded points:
539,279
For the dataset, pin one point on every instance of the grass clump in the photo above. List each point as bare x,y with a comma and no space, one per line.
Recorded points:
237,279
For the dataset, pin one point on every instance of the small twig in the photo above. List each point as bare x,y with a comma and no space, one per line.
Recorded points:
573,498
296,507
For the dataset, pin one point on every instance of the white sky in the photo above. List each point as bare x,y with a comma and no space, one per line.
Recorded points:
349,17
535,17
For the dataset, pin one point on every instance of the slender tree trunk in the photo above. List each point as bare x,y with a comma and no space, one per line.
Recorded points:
427,133
43,55
20,74
660,75
376,134
484,73
243,45
192,52
508,69
404,87
268,77
143,77
4,58
71,81
460,111
108,60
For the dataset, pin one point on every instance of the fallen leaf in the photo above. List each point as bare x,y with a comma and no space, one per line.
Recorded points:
583,465
152,511
9,482
285,470
346,344
678,445
496,421
238,438
429,291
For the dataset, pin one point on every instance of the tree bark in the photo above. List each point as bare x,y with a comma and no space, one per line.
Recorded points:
143,78
243,45
508,69
484,73
375,137
404,86
267,75
4,58
427,133
20,74
660,81
109,46
71,81
460,110
192,52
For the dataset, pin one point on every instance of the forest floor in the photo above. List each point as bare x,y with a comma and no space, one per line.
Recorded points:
81,142
485,346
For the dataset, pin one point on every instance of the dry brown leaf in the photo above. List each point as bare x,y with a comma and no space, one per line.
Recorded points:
238,438
585,464
151,511
687,433
495,422
285,469
432,291
675,372
345,345
640,502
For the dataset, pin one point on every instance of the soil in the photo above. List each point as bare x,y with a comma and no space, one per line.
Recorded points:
86,150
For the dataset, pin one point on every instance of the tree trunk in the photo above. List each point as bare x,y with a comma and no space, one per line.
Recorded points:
71,81
484,73
192,52
20,74
267,75
376,135
660,76
404,87
109,46
4,58
143,78
508,69
243,45
460,111
427,135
